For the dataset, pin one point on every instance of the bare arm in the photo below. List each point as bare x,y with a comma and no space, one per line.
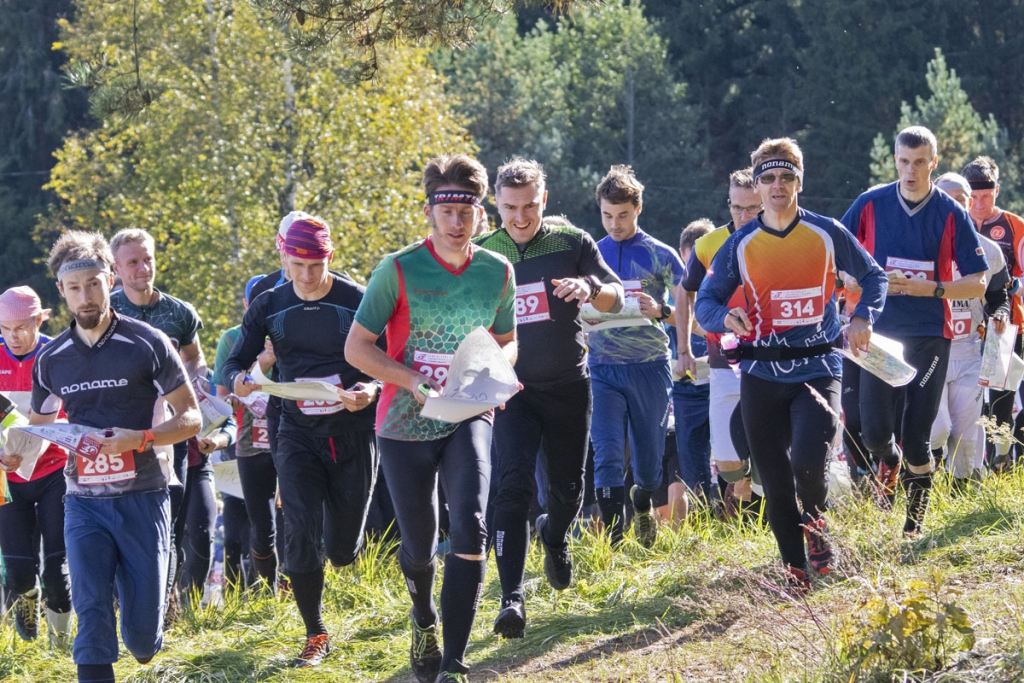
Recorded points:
361,351
509,345
186,423
968,287
684,326
192,358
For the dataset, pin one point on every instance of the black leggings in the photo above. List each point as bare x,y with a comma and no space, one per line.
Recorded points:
556,422
789,443
200,513
879,402
461,462
36,510
236,540
258,476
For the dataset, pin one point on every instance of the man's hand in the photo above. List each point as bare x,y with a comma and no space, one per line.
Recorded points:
859,334
364,395
999,321
242,388
115,441
9,463
686,365
736,320
648,306
418,380
267,357
911,286
208,445
572,289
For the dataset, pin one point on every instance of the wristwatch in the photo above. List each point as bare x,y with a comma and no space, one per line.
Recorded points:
939,291
147,441
666,311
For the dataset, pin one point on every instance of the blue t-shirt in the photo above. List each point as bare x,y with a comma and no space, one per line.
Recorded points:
643,264
935,240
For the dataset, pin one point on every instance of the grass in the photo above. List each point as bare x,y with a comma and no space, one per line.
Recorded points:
705,603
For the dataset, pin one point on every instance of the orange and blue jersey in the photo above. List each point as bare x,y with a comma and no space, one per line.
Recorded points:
16,384
1007,230
788,281
924,241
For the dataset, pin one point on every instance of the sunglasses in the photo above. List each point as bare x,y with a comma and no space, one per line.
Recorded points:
769,178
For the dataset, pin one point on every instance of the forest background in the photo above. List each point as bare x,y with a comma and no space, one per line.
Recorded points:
204,122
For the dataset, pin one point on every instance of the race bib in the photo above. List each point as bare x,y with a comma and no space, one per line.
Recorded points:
260,434
532,303
909,269
106,469
792,307
961,320
433,365
632,287
320,407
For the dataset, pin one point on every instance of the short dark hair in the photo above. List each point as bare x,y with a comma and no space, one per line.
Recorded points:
78,244
620,186
459,170
519,172
981,170
742,178
913,137
693,231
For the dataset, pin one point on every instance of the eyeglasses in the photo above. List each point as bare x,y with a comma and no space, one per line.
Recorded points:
769,178
735,208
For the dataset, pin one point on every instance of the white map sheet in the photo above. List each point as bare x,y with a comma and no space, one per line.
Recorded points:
883,359
313,390
629,316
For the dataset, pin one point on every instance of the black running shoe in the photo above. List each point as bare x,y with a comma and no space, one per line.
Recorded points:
557,559
26,616
511,621
425,654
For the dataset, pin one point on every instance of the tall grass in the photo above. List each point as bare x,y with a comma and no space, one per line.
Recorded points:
707,603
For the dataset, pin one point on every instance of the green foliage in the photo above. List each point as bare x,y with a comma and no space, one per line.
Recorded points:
960,130
593,89
915,630
240,132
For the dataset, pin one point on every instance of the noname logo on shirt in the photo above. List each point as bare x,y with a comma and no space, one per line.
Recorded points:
96,384
430,292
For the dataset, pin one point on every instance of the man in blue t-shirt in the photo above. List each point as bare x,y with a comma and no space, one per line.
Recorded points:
931,254
629,366
110,372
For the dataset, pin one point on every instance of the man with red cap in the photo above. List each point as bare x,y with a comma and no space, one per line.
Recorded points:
36,509
326,455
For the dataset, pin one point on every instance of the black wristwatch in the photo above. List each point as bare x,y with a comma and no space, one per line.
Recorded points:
939,291
666,311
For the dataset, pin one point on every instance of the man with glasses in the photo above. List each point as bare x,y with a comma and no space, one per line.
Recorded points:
1006,230
744,204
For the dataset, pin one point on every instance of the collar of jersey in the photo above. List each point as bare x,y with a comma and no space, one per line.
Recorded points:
28,356
789,228
453,271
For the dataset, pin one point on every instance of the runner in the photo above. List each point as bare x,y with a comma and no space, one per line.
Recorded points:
326,458
786,262
724,387
557,269
956,435
918,234
35,511
428,297
110,372
1006,230
135,264
256,469
629,366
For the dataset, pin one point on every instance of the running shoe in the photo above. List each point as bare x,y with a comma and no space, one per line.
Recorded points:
644,524
557,559
819,544
511,621
885,484
26,615
797,581
451,677
317,647
425,654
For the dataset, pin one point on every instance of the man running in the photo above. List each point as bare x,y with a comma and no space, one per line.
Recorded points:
629,366
428,297
557,270
956,435
931,254
724,386
326,457
786,262
135,263
35,511
111,373
1006,230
